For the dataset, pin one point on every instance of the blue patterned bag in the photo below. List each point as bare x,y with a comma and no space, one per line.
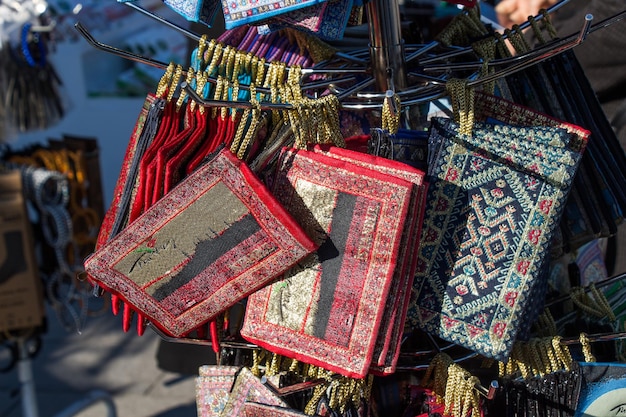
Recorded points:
242,12
199,11
327,20
493,206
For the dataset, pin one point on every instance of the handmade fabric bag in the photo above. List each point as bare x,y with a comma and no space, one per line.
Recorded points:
326,20
492,210
218,236
579,224
249,388
327,310
213,386
392,325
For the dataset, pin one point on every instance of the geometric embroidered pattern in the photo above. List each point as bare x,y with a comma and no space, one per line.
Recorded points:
238,13
581,221
327,20
492,208
200,11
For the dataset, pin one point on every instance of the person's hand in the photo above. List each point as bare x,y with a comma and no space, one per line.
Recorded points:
515,12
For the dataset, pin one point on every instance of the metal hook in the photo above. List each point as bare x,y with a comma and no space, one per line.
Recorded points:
231,104
542,54
600,284
118,52
545,51
195,37
158,64
468,49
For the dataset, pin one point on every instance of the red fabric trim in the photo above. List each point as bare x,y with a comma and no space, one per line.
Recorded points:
388,343
109,216
393,195
291,242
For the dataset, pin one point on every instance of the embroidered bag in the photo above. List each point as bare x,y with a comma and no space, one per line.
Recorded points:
327,21
200,11
489,222
327,310
131,158
578,225
555,393
388,343
536,151
213,386
249,388
218,236
238,13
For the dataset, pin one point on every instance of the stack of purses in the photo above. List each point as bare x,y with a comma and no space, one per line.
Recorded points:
494,203
388,342
326,20
343,307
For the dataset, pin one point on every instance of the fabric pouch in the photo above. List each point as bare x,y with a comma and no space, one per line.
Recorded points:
388,342
213,386
127,174
199,11
242,13
327,310
580,223
249,388
218,236
327,20
487,231
555,394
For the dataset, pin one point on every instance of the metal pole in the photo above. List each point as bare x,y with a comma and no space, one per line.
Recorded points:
386,45
27,383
